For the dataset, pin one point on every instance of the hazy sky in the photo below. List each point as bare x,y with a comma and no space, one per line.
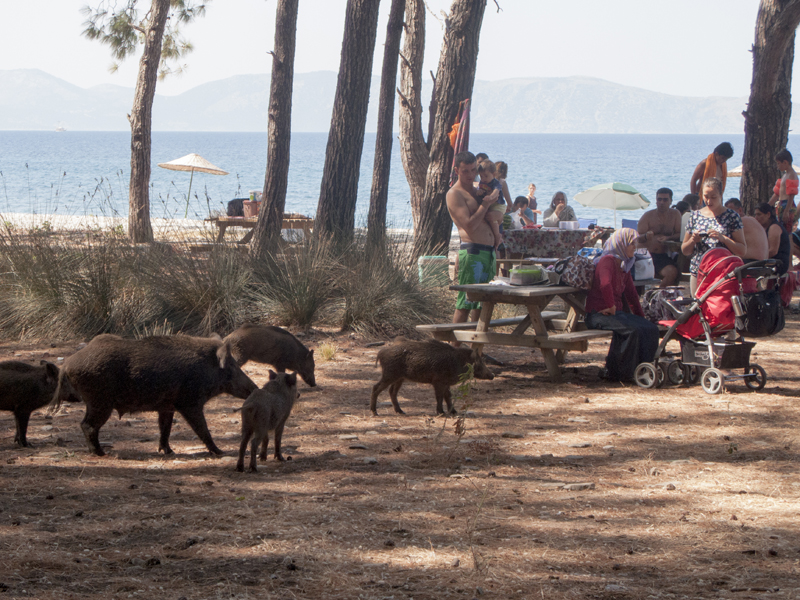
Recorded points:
681,47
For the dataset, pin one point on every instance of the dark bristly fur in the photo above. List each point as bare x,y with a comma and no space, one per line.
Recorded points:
428,361
273,346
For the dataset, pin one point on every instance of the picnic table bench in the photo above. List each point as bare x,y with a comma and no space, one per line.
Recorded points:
572,335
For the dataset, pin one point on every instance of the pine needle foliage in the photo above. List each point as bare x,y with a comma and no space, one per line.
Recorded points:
121,27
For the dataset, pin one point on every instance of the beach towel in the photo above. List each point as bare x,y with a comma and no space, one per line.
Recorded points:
711,170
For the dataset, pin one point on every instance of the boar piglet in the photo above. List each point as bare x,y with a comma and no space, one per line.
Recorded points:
24,388
162,374
429,361
267,410
273,346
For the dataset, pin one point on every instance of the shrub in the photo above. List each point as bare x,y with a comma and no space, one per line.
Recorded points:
295,285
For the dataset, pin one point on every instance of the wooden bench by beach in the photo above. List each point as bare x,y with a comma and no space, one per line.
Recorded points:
291,221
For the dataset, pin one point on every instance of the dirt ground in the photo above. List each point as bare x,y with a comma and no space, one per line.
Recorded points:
579,490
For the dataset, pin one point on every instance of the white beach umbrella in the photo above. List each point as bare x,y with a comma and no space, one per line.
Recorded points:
737,172
192,162
619,196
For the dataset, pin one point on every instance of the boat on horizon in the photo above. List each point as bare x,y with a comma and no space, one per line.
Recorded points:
60,128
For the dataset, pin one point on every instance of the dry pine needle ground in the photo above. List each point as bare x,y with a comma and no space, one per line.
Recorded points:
687,495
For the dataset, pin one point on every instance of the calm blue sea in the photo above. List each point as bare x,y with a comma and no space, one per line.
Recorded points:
77,172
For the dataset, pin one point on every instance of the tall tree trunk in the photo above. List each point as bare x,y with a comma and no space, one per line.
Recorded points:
413,151
455,77
141,119
339,189
376,220
279,123
770,106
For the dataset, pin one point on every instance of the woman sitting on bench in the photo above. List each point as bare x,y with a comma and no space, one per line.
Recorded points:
635,338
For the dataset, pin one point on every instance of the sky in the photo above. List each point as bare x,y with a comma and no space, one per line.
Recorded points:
680,47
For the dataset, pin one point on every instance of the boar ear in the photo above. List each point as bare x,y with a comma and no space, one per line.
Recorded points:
311,352
224,355
272,375
292,379
50,369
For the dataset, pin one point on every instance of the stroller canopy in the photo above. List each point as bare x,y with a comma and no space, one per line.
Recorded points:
717,308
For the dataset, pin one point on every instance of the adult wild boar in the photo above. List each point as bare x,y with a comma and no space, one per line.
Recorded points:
162,374
428,361
25,387
273,346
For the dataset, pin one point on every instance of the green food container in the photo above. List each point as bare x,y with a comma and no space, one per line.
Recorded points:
527,275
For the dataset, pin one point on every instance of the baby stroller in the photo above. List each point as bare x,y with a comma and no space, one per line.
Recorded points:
733,300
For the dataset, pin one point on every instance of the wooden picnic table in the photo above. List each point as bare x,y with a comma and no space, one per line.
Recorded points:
304,223
535,298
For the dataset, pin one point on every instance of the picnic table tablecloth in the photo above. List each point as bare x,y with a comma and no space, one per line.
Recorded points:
545,243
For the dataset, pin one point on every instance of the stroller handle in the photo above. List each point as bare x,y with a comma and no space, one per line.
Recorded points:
770,263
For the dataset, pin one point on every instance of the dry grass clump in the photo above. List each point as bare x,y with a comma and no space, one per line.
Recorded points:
81,284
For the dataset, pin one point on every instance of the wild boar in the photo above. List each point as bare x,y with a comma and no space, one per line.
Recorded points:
24,388
162,374
273,346
267,410
428,361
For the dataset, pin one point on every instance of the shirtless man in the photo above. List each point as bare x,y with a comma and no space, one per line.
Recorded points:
662,224
712,166
754,234
476,260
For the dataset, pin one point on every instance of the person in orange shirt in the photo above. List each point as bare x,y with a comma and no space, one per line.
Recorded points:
714,165
784,191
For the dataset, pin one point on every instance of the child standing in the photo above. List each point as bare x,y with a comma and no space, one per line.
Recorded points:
488,184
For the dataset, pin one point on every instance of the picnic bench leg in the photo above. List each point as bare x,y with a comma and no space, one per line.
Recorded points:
549,356
247,236
572,319
483,323
221,234
576,307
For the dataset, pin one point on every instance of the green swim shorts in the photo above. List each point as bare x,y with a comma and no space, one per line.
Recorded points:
476,264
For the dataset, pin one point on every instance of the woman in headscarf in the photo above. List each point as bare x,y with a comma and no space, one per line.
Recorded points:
613,305
558,211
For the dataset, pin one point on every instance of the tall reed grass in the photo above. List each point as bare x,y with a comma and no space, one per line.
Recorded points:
58,284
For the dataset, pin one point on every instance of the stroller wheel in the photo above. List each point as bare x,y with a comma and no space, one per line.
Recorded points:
694,374
647,375
677,372
713,381
758,379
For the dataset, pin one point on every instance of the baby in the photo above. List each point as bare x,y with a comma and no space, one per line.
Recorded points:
494,215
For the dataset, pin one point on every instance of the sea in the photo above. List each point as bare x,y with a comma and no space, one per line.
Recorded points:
87,173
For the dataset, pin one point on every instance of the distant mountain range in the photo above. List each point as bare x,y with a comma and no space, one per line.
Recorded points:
31,99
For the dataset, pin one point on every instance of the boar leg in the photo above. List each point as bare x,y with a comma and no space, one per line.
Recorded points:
263,454
93,420
442,391
247,433
165,427
278,437
449,399
376,390
21,419
197,421
254,450
393,389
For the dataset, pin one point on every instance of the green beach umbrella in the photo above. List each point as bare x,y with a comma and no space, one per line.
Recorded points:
618,196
